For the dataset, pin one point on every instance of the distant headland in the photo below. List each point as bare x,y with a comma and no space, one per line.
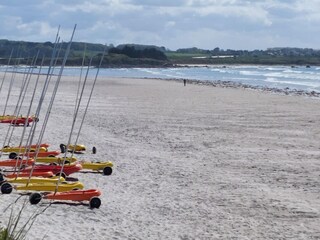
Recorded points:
135,55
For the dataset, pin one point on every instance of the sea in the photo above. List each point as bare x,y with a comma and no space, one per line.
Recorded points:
305,78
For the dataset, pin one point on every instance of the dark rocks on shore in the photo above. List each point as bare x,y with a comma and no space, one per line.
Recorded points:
230,84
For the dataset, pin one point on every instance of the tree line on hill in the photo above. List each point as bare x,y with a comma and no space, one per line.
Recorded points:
285,51
130,51
270,56
126,55
136,55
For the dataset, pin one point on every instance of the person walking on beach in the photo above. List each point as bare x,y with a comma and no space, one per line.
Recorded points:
184,82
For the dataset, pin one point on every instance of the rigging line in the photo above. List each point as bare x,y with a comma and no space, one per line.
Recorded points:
54,93
48,80
77,109
58,182
14,120
46,118
10,88
26,71
53,96
32,131
89,99
55,89
17,110
81,70
33,95
35,124
17,62
73,124
7,67
24,91
26,75
29,110
33,127
43,93
56,59
28,78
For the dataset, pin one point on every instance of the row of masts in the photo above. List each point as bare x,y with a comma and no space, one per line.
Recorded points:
40,91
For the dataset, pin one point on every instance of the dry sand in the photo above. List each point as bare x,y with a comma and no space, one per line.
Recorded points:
194,162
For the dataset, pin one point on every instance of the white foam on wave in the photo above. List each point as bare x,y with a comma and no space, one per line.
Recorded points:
274,68
292,71
247,67
307,84
149,70
250,73
254,75
299,76
220,70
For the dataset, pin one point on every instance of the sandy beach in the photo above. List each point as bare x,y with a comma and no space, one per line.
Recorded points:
193,162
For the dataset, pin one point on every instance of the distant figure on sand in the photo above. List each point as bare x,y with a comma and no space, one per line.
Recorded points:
184,82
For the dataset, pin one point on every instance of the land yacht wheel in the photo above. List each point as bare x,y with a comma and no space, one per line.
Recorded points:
63,148
1,178
6,188
35,198
94,150
95,202
13,155
107,171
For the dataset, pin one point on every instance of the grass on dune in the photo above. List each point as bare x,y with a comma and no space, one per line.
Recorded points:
15,228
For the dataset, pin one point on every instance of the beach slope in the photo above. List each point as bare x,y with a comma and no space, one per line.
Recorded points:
193,162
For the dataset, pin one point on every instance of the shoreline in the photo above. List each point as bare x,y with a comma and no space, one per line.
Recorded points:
215,83
218,83
235,85
230,84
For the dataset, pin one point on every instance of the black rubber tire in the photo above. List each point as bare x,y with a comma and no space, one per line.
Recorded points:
51,156
13,155
1,177
18,158
63,148
6,188
53,164
35,198
94,150
107,171
95,202
62,175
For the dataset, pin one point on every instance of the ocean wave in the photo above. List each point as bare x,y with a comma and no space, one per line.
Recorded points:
306,84
280,76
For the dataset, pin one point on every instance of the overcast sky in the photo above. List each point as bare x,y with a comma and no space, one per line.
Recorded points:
228,24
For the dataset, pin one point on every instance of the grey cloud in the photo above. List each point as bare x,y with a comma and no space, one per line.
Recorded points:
181,23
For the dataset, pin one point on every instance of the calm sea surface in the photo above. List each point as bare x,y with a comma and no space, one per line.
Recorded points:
300,77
